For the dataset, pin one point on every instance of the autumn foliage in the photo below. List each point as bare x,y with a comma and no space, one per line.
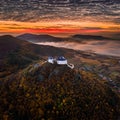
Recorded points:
53,92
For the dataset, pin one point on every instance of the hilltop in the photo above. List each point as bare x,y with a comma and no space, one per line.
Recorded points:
46,91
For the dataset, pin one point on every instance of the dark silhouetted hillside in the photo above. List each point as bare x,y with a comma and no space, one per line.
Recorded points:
15,53
39,38
90,37
9,43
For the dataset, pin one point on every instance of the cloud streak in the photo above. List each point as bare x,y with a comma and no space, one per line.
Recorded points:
79,10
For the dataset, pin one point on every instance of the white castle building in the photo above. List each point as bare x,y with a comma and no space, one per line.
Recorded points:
60,60
51,60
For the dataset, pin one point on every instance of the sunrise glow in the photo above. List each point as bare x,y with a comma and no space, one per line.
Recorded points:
57,27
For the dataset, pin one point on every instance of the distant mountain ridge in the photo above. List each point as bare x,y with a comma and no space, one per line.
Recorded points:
49,38
38,38
9,43
90,37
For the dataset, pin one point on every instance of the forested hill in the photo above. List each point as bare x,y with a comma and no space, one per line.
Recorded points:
47,91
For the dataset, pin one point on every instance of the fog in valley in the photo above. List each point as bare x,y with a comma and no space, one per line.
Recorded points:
101,47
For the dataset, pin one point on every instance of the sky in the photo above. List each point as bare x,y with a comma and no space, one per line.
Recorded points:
60,17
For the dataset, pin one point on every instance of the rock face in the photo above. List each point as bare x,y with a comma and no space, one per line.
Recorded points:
56,92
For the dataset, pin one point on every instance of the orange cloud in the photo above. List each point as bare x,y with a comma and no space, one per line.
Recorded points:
50,27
